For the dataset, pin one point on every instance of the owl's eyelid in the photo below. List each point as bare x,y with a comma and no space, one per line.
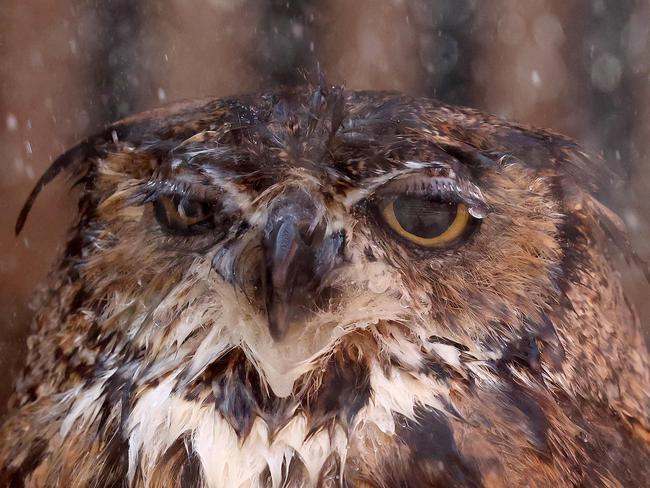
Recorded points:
429,186
446,188
154,189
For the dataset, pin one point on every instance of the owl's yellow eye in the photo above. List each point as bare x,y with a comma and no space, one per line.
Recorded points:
426,222
178,215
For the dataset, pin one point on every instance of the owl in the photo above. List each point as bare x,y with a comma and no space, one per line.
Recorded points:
318,287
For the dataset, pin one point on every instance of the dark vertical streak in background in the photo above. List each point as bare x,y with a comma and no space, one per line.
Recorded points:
446,48
607,81
285,54
114,38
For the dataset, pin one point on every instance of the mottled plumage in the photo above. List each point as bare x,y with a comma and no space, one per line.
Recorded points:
236,308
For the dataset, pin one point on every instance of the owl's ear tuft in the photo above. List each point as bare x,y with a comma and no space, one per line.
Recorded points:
83,151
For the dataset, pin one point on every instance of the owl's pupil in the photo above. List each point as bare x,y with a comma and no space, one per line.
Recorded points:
191,209
422,216
179,215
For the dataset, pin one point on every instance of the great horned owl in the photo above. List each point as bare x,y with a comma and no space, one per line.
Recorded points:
320,287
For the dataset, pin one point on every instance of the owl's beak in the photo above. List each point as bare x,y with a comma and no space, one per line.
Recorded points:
298,254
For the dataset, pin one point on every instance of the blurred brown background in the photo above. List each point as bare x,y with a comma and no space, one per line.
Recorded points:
67,68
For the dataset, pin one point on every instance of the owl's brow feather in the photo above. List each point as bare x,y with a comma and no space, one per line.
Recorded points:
154,189
414,178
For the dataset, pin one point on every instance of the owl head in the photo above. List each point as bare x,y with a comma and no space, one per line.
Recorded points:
329,239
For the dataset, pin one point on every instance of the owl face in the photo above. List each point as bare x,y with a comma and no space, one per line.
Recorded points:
283,226
319,287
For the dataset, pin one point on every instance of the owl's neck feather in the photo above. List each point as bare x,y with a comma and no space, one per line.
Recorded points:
376,380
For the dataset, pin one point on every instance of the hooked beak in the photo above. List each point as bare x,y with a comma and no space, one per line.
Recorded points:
297,257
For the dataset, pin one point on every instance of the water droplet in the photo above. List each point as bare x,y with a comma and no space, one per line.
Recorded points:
478,212
297,30
12,122
535,78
